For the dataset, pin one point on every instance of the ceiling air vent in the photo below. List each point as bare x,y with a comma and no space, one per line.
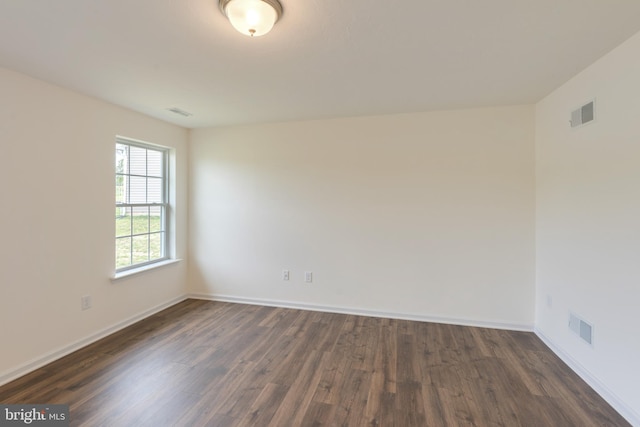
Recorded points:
181,112
583,115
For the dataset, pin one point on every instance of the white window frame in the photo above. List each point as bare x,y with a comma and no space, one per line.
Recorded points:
164,205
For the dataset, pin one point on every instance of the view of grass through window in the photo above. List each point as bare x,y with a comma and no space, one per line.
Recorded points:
140,205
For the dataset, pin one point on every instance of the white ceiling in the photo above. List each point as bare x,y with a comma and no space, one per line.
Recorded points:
323,59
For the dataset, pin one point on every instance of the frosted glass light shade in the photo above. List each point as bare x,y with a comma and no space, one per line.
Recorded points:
252,17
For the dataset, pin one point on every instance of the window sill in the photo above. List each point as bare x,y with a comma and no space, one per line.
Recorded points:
135,271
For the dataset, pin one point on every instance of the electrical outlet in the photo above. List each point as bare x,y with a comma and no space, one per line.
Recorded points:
85,302
549,301
308,276
285,274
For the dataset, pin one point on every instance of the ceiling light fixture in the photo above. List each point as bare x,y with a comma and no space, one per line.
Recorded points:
252,17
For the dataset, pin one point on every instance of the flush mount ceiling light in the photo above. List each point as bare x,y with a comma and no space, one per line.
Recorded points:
252,17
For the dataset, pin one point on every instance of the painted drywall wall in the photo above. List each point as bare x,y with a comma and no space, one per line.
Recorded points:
57,198
427,214
588,228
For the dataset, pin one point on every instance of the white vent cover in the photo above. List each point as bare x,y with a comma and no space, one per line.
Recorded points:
583,115
180,111
581,328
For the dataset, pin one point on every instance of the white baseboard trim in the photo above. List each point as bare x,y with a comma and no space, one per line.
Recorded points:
363,312
623,409
54,355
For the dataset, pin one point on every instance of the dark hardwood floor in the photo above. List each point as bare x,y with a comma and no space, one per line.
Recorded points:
204,363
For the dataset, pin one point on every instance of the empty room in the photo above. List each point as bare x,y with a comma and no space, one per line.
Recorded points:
359,213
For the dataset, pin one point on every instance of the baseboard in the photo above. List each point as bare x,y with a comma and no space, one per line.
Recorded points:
628,413
63,351
363,312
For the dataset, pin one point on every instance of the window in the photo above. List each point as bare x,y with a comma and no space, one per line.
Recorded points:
141,204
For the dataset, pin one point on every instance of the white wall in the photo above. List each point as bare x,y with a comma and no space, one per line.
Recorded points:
429,214
57,194
588,222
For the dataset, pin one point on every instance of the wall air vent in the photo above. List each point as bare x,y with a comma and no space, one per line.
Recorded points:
583,115
581,328
181,112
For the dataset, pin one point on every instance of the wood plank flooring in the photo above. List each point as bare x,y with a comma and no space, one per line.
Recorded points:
203,363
